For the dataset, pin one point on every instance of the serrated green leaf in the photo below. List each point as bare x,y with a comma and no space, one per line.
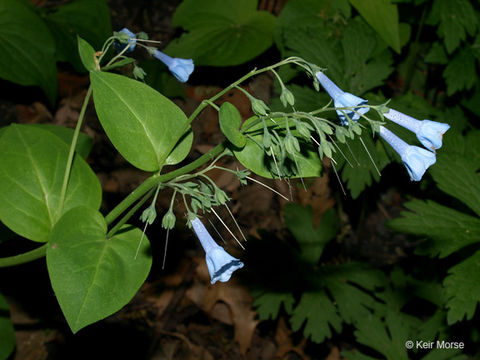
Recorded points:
382,16
456,176
7,333
268,304
386,336
360,171
252,156
142,124
32,167
457,18
311,240
230,122
84,142
87,54
318,313
94,276
221,32
450,230
463,289
436,54
89,19
27,48
460,73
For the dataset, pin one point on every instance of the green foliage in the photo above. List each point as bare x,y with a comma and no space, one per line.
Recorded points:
230,122
460,73
456,18
134,114
87,54
30,205
84,142
221,33
304,164
94,275
7,334
27,48
311,241
381,15
89,19
450,230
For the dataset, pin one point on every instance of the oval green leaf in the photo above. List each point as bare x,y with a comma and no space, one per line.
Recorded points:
27,48
222,32
253,157
87,54
142,124
94,276
181,150
32,166
84,142
230,122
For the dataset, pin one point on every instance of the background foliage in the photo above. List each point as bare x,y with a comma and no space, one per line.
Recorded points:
424,55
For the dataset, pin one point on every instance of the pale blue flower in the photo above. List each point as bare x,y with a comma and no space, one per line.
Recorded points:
343,99
221,264
428,132
415,159
180,68
132,41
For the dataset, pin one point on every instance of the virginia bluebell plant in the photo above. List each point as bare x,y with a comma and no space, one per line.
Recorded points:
221,264
180,68
429,133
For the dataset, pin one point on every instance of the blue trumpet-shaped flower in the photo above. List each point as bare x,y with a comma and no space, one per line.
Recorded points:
132,41
428,132
180,68
343,99
221,264
415,159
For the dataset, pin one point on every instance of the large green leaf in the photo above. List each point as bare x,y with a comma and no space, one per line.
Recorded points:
316,309
94,276
221,32
84,142
7,334
89,19
181,150
450,230
27,48
142,124
462,289
32,164
381,15
252,156
457,176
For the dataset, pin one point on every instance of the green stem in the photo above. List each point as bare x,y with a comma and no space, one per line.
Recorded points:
24,258
73,146
157,179
129,214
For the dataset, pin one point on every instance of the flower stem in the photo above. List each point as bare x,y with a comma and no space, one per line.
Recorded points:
73,145
24,258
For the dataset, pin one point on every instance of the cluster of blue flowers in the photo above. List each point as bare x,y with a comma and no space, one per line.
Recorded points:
180,68
416,159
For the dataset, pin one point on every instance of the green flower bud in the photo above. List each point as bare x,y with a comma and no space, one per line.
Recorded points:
221,197
286,97
138,72
168,221
259,107
149,215
291,144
